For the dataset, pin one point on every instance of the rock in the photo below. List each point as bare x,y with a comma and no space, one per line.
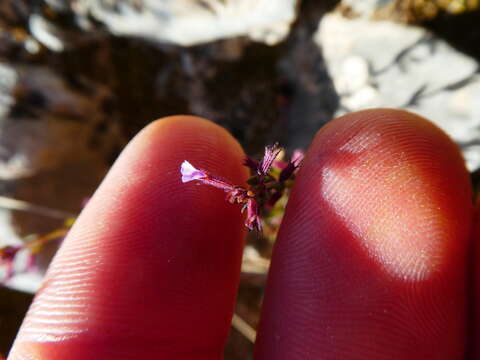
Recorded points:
189,22
46,33
382,64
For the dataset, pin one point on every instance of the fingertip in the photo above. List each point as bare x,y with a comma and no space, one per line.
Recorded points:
180,126
370,259
151,267
385,171
203,141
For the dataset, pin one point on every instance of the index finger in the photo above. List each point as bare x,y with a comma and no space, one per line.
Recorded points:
151,267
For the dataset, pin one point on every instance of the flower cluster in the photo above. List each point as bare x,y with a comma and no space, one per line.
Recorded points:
269,180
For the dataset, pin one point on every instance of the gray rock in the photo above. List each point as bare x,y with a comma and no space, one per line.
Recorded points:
382,64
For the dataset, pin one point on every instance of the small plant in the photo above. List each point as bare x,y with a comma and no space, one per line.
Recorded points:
263,198
270,181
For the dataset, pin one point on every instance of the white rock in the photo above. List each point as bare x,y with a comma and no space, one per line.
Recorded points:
383,64
45,33
190,22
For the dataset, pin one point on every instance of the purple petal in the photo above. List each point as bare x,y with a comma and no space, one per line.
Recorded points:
190,173
271,153
297,156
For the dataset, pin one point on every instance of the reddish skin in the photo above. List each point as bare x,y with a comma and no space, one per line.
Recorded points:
374,268
476,283
370,262
164,257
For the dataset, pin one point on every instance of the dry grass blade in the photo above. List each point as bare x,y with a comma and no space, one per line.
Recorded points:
243,328
20,205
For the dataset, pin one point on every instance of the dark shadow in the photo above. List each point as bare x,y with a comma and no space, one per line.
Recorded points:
461,31
402,59
13,306
422,92
307,96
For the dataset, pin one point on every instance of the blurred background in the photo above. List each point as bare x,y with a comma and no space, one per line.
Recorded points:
79,78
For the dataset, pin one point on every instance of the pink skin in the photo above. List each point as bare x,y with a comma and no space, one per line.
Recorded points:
371,260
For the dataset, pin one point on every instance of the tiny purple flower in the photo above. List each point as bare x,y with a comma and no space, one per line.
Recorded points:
264,188
190,173
253,219
271,153
292,166
297,156
235,194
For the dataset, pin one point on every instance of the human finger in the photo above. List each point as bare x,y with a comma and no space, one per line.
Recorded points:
370,261
151,267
